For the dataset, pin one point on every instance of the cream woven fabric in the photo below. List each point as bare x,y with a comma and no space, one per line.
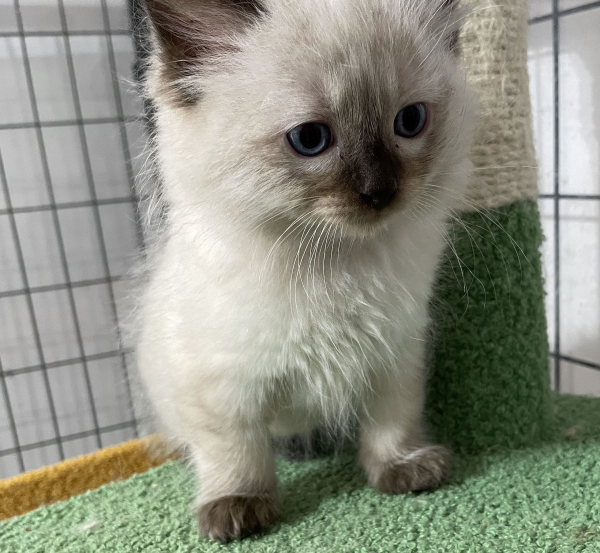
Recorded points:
494,44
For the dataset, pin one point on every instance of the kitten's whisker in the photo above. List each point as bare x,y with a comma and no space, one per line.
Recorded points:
323,245
454,216
295,223
313,252
440,35
486,212
454,251
338,248
472,226
295,205
483,168
325,279
333,227
300,259
312,258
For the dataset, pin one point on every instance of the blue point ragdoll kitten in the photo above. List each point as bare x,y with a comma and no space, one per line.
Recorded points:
310,153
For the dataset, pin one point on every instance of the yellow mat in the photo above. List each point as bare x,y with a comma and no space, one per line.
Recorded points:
30,490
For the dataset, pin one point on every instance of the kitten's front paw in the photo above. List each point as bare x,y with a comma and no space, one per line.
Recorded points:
420,470
235,517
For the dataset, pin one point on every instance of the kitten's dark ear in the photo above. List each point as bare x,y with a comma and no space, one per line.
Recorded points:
191,33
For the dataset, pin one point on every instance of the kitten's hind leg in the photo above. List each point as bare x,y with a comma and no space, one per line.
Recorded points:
396,456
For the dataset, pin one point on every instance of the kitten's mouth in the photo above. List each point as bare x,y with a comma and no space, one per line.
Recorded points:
361,218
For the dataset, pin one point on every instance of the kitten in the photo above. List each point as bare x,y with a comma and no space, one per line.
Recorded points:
310,152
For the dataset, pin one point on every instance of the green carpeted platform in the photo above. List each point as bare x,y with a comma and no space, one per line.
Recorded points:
536,500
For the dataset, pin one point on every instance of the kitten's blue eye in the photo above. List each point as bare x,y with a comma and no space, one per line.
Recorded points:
410,121
310,139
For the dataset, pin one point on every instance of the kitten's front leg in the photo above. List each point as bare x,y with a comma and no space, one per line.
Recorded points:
238,488
393,451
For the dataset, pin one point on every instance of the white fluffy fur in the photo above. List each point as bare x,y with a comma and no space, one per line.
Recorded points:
266,314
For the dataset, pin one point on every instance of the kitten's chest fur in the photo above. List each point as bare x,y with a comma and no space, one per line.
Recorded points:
310,352
335,354
344,333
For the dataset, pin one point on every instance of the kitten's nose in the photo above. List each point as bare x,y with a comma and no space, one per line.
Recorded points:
378,173
379,198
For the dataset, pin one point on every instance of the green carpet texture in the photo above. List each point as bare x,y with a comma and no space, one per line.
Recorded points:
490,380
539,499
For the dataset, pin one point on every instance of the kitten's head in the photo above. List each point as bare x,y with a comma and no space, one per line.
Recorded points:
344,111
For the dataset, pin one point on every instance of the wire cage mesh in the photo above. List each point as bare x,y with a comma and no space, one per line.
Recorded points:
71,131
